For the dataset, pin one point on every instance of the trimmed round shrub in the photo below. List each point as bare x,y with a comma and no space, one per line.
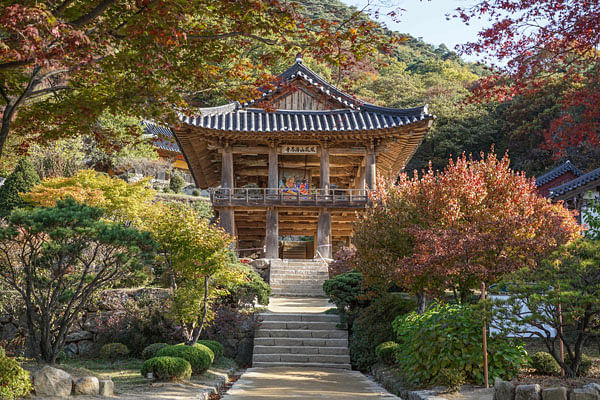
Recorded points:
114,351
200,357
14,380
214,346
167,368
451,379
151,350
386,352
544,364
452,334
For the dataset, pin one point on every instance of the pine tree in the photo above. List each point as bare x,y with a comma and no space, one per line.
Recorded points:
21,180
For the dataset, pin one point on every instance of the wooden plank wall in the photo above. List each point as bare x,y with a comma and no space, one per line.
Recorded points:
299,100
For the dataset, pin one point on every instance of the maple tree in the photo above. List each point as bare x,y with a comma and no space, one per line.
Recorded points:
63,62
474,221
541,42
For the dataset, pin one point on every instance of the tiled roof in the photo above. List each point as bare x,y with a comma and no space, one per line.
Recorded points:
356,116
258,120
575,183
163,137
556,172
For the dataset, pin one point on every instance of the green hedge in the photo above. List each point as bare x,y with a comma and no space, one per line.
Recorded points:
386,352
449,337
114,351
167,368
214,346
14,380
151,350
200,357
544,364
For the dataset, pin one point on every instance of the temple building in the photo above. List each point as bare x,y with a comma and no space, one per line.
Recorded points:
303,170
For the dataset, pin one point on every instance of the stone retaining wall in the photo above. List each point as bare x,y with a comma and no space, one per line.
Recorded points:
504,390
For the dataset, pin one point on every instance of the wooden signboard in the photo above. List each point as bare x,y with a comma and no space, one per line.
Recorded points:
299,149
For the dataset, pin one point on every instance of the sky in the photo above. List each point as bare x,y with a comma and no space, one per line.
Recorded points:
427,19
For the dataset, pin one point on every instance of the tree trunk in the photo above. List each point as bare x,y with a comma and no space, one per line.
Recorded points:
5,128
421,302
204,313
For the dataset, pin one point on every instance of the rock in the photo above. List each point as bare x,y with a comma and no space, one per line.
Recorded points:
70,349
528,392
77,336
5,318
107,388
87,385
86,347
51,381
555,393
8,332
503,390
244,352
592,386
584,394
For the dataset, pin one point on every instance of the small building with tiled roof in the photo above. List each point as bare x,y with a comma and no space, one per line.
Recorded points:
563,173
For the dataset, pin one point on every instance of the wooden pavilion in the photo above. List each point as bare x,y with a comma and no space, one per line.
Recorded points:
304,169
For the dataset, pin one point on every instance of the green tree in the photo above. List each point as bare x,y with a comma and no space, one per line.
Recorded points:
176,183
197,261
570,277
57,258
21,180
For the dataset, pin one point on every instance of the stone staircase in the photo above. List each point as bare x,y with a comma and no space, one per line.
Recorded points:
301,340
298,278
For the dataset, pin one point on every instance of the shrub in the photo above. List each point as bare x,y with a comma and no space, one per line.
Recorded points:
14,380
21,180
584,366
386,352
346,292
167,368
151,350
449,337
342,261
249,288
195,192
176,183
544,364
200,357
214,346
451,379
114,351
373,326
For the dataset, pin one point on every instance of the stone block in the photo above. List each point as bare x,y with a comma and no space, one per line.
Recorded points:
77,336
528,392
51,381
70,349
592,386
86,347
106,388
88,385
584,394
503,390
555,393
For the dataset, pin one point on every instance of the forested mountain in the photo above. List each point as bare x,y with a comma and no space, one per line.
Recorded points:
417,72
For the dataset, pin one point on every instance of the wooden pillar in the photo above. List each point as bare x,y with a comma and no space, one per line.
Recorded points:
272,239
370,169
273,168
226,215
324,233
361,179
324,168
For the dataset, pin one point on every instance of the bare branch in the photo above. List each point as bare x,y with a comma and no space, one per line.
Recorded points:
93,14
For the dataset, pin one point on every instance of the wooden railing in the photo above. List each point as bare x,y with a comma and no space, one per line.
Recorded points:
286,197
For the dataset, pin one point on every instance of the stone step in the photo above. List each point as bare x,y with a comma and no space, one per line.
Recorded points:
311,325
300,365
296,287
302,333
323,350
301,358
308,342
299,317
300,274
289,293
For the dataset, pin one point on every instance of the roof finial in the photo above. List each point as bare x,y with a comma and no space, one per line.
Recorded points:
299,58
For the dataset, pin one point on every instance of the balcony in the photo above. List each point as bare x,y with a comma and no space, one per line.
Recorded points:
283,197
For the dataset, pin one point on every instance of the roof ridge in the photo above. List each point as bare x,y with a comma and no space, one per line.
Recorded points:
556,172
575,183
